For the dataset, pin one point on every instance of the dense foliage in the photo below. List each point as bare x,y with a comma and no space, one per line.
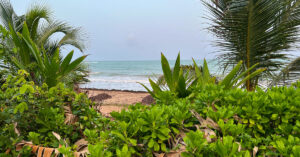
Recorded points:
194,116
215,122
33,113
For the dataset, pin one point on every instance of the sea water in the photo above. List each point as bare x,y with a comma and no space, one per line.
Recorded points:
126,75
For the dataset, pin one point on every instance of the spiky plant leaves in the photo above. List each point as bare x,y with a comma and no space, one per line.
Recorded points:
49,68
67,59
176,69
205,73
148,90
203,76
229,77
237,78
181,86
31,46
167,72
252,75
177,80
236,75
73,65
197,69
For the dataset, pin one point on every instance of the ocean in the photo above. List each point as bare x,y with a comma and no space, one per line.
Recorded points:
125,75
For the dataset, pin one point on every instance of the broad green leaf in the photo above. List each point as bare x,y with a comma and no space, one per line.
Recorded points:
206,74
163,147
67,61
167,72
181,87
197,70
229,77
257,72
148,90
73,65
242,75
155,87
156,146
176,69
151,143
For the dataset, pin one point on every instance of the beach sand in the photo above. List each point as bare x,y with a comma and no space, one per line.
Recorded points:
114,100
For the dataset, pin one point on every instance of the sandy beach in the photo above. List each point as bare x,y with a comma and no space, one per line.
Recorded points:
116,100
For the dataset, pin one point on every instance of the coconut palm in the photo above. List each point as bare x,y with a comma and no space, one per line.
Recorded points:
255,31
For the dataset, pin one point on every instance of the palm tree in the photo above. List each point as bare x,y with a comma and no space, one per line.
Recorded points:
42,67
255,31
41,30
41,26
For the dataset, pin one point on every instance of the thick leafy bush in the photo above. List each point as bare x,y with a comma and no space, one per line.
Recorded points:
216,121
213,121
33,113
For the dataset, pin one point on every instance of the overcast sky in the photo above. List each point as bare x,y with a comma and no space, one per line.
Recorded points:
135,29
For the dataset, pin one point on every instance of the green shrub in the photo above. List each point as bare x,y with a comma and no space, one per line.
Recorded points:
36,112
245,121
215,121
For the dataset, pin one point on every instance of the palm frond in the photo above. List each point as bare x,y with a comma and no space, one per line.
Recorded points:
6,13
254,31
71,35
74,38
9,17
287,75
33,17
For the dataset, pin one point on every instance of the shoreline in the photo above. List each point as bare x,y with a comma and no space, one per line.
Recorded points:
112,90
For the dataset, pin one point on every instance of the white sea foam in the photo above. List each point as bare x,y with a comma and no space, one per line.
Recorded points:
117,80
124,75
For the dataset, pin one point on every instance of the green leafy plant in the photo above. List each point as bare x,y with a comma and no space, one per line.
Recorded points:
227,147
43,68
98,150
175,80
196,145
32,113
235,78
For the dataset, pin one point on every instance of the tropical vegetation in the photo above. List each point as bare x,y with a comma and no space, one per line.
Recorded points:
256,32
23,36
194,114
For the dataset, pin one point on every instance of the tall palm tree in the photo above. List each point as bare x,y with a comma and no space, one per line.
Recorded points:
255,31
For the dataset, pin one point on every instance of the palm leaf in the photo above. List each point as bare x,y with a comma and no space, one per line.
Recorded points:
290,73
255,32
33,17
